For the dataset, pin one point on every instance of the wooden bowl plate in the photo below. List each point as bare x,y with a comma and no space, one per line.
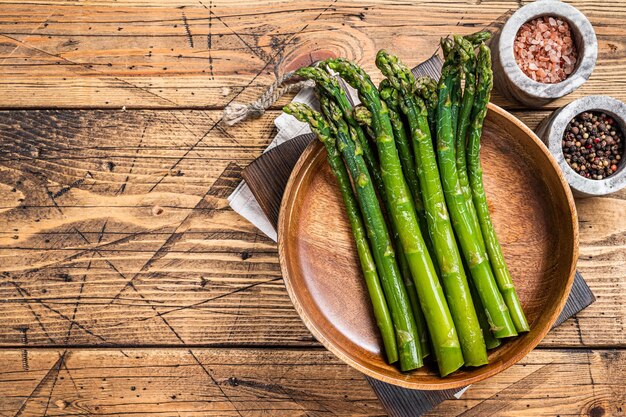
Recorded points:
535,218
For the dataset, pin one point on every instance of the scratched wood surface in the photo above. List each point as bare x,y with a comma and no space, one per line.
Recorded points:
106,212
117,243
207,53
243,382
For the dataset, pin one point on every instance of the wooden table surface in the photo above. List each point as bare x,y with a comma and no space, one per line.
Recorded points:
127,284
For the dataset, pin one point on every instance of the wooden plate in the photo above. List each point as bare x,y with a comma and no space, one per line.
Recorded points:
535,218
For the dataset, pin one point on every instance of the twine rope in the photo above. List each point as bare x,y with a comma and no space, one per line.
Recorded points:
238,112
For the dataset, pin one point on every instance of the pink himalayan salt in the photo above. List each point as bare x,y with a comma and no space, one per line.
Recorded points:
544,50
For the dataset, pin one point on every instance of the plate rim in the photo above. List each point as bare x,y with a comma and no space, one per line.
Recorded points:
293,185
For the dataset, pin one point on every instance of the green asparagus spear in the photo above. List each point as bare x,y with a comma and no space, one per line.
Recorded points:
473,251
465,49
448,255
440,324
451,61
333,113
381,312
426,88
477,38
416,308
361,116
331,86
490,340
391,97
364,117
502,275
393,288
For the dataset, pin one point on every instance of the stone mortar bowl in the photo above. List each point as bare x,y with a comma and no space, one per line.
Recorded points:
509,78
551,131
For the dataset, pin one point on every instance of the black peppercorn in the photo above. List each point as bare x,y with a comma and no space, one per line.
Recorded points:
592,145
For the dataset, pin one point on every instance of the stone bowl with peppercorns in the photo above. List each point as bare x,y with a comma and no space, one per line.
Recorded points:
587,139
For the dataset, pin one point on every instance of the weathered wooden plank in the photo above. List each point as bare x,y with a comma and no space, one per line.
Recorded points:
194,382
252,382
115,229
208,53
550,383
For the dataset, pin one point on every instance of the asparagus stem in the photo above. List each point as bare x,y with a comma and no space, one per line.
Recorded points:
325,81
416,308
357,117
473,249
465,50
406,327
408,168
502,275
451,55
368,266
406,331
449,257
358,123
440,324
364,117
426,88
391,98
490,340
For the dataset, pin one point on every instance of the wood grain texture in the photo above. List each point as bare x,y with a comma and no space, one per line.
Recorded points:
115,229
193,264
211,52
281,382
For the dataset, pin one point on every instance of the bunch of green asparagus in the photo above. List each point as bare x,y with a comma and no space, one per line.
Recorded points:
407,161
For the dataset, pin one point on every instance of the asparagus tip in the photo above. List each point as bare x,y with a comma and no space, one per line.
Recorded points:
477,37
447,45
362,115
